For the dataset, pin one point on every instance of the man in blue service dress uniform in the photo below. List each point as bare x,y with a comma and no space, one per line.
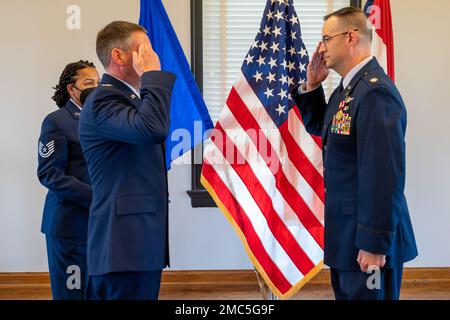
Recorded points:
122,131
368,231
62,169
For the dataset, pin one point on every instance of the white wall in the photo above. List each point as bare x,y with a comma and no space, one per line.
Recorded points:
36,46
422,52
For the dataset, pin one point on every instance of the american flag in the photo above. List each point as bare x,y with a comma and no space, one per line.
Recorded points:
262,168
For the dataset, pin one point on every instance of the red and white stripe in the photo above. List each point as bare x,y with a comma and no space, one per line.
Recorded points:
383,37
269,183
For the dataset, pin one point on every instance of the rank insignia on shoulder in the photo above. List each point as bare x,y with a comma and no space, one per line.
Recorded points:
106,85
374,80
46,150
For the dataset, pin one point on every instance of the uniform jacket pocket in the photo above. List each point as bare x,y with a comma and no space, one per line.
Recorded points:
135,204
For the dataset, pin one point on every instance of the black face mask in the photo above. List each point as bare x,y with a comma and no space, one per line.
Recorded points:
85,93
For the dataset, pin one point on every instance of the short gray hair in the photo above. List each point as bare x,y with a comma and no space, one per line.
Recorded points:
115,35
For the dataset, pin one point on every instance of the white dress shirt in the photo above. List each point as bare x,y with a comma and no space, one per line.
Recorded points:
349,77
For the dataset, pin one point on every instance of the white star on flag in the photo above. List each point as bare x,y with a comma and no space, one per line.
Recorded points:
268,93
290,81
271,77
274,47
292,51
280,109
279,16
272,62
293,37
294,20
261,60
277,31
258,76
249,59
291,65
263,46
303,52
302,66
282,94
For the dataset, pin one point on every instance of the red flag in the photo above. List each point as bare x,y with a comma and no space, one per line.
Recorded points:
379,14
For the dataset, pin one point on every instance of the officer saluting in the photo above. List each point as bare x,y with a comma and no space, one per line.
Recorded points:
363,126
122,132
62,169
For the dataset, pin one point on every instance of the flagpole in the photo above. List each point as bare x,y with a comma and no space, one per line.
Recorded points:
272,296
266,293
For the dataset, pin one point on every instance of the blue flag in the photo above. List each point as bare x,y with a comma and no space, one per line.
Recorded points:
189,115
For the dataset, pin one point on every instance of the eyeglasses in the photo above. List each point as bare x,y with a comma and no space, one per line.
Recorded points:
325,40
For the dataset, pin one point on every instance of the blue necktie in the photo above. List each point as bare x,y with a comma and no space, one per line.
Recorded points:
341,87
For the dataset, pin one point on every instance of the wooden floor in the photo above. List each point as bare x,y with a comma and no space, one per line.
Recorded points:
418,284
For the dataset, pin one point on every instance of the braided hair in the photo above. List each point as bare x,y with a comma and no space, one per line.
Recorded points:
68,76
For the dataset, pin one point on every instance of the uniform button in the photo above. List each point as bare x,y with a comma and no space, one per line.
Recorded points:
325,147
325,190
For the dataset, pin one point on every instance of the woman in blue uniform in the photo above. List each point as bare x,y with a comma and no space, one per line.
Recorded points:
62,169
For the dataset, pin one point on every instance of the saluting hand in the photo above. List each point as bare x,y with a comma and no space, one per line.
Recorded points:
145,60
317,70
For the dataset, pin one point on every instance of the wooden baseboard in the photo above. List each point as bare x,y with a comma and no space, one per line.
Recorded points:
232,279
36,285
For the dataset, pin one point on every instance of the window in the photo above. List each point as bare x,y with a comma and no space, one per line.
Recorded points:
222,32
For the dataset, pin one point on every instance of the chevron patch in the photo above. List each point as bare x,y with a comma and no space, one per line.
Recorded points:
46,150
